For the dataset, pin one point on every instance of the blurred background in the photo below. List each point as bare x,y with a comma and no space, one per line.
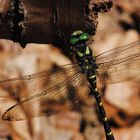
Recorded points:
119,26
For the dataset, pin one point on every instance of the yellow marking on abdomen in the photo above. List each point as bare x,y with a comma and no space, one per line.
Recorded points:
100,104
109,134
96,89
105,119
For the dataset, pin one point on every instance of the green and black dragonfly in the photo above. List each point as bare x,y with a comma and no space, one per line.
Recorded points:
51,88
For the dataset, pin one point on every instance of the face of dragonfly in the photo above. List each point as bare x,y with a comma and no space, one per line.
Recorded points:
77,41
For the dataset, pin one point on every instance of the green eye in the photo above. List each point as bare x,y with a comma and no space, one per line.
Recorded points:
74,40
78,36
84,36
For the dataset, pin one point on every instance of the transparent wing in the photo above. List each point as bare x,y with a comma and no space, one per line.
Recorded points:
118,55
72,94
37,82
126,70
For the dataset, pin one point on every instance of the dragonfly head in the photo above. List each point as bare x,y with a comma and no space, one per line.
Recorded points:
78,38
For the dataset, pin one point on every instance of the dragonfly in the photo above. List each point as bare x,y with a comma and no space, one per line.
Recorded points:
52,91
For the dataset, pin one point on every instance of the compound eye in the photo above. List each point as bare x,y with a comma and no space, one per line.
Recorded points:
74,40
79,36
84,37
75,37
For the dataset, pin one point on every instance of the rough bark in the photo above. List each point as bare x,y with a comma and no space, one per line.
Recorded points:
50,21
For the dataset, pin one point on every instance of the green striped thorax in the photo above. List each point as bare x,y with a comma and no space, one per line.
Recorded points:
82,52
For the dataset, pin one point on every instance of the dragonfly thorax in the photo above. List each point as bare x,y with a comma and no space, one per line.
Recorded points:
82,52
86,62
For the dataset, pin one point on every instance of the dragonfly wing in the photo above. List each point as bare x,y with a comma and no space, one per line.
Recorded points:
127,70
118,55
61,98
37,82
